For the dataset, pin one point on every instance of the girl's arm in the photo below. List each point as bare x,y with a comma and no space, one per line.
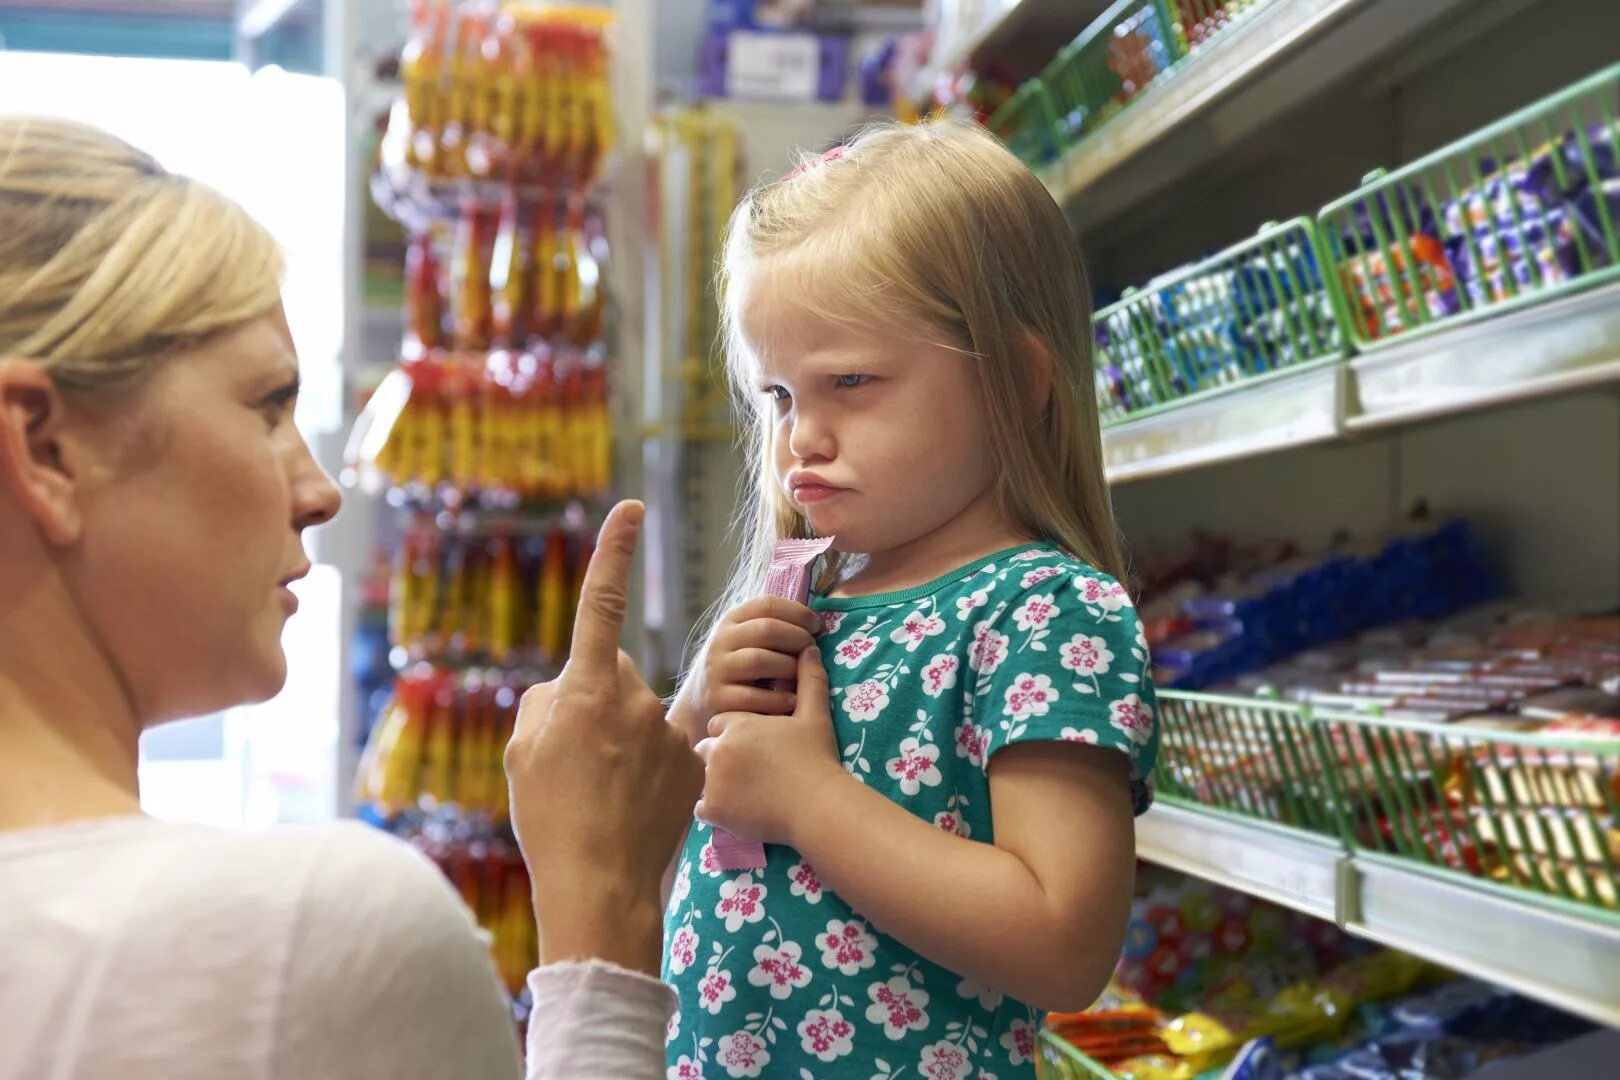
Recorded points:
1040,914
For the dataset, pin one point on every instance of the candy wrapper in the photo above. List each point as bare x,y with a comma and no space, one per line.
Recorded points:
788,576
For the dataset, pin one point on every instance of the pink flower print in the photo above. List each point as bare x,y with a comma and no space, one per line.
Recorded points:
716,990
683,949
1134,717
847,946
864,701
989,1000
944,1060
988,650
743,1054
742,900
953,823
709,862
1019,1042
804,882
940,674
966,605
1030,556
898,1006
972,742
683,885
1030,695
982,1075
684,1069
1036,612
919,626
1086,655
853,649
672,1029
1038,575
826,1034
831,621
916,767
1110,596
1079,735
781,969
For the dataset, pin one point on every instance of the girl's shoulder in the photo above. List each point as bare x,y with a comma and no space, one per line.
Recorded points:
1040,570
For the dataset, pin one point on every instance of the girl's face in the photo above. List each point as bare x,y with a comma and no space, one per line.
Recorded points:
191,528
878,437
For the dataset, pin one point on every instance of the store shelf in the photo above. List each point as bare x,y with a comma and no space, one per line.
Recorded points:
1279,413
1549,951
1250,75
1567,345
954,51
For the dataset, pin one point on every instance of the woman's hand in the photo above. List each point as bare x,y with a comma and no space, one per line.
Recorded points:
764,772
602,788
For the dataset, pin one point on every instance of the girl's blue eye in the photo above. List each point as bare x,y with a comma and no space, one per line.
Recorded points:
776,393
850,382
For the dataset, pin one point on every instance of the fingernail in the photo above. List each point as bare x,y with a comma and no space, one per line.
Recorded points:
815,653
793,702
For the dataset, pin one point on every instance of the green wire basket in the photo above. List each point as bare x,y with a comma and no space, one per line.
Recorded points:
1058,1060
1258,309
1027,124
1526,812
1130,46
1198,22
1518,213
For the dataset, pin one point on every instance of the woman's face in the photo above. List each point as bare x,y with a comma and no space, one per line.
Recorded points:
192,527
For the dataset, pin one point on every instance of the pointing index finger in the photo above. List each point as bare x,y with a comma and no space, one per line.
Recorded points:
605,593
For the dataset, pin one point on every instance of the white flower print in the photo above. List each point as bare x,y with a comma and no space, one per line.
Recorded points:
1030,695
988,650
989,1000
826,1034
781,969
972,742
1086,655
944,1060
982,1075
804,881
916,767
1079,735
684,1069
1035,612
1038,575
742,900
683,885
709,861
966,605
1019,1042
1030,556
683,949
953,823
853,649
940,674
918,627
864,701
743,1054
1134,717
847,946
1110,596
831,621
898,1006
672,1029
716,990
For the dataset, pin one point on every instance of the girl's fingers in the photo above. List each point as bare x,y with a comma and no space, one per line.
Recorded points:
753,699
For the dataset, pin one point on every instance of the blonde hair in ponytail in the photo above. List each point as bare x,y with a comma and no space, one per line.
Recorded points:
108,262
937,224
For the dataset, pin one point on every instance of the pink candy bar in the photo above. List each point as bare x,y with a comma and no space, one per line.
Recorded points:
788,576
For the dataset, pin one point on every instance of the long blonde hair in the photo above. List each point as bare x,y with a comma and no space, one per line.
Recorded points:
108,262
938,224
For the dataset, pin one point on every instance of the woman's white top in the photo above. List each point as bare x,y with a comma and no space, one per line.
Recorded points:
136,949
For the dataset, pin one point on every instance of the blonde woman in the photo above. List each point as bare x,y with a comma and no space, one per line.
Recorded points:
947,804
153,495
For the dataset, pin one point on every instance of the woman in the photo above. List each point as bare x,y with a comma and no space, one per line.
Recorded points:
153,494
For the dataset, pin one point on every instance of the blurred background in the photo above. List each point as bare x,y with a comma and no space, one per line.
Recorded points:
1355,267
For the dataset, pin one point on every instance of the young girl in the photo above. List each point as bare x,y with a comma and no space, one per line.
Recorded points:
949,822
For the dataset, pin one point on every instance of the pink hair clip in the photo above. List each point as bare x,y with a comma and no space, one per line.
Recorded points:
831,155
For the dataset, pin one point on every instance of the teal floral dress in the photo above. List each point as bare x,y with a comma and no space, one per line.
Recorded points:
777,976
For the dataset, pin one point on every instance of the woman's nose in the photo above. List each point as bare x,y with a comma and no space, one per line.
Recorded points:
316,498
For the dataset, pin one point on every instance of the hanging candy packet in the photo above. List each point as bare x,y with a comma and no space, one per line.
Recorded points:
788,576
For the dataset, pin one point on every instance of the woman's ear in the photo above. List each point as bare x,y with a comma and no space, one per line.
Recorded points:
33,466
1042,369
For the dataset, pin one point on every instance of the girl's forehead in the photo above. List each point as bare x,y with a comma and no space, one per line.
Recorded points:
786,316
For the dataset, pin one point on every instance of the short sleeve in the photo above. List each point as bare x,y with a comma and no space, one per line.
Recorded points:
1062,657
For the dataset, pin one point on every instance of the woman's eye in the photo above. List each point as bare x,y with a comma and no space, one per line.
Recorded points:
850,382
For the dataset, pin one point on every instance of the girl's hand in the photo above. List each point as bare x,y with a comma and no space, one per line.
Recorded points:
756,641
763,770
